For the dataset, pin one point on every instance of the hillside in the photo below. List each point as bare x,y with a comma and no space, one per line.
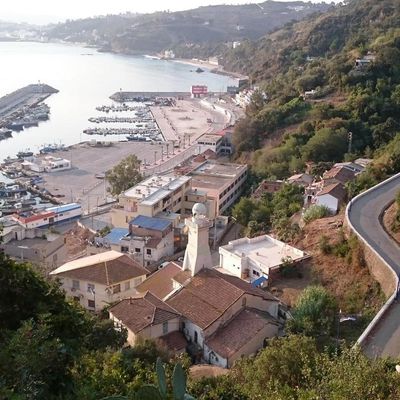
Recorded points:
209,26
320,54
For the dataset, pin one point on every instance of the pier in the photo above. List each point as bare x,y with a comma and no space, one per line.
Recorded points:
16,105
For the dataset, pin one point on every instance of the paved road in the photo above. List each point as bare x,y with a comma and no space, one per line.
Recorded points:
384,339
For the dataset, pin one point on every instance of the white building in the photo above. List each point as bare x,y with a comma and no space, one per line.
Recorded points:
158,193
257,257
47,164
210,141
98,280
331,196
49,216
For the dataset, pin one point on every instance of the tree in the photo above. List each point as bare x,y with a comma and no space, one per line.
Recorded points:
314,313
124,175
242,210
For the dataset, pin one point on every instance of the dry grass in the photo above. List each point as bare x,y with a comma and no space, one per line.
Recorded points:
388,219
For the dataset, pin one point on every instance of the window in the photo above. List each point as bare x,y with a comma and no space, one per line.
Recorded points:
90,287
137,250
256,273
76,298
91,304
75,284
244,301
116,288
196,337
148,252
165,327
124,249
127,285
137,281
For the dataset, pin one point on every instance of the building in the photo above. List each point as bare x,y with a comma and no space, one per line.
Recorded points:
243,98
267,186
212,306
148,239
39,247
210,142
301,179
339,174
50,216
261,256
47,164
223,182
148,317
98,280
197,91
364,62
158,193
331,196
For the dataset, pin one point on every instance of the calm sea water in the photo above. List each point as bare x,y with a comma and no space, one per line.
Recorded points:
84,82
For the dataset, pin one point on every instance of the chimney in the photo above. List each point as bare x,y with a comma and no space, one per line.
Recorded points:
130,300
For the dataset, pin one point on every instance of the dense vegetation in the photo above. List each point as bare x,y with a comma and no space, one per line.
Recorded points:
53,349
280,134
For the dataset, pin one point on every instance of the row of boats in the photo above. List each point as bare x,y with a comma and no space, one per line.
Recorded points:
31,117
152,133
130,120
119,108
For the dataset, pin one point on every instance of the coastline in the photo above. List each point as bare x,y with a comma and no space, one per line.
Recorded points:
210,67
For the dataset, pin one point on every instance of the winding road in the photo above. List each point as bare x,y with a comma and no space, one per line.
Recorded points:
364,216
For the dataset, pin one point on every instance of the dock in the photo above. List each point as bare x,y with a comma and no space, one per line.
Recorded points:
14,105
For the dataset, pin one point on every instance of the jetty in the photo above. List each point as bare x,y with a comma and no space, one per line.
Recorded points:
15,105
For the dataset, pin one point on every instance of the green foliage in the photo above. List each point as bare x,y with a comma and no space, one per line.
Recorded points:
124,175
315,212
314,313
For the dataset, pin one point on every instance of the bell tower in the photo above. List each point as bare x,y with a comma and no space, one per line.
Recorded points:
197,254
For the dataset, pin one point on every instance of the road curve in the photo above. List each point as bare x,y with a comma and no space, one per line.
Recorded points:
364,216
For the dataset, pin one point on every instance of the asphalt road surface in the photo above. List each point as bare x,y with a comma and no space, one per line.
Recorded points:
384,340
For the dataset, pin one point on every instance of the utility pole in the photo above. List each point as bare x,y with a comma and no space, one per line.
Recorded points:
350,139
155,157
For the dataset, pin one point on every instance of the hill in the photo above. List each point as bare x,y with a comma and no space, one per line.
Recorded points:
320,55
208,26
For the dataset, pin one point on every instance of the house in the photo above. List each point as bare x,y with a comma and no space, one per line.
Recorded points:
331,196
98,280
301,179
147,317
339,174
211,305
257,257
36,246
148,239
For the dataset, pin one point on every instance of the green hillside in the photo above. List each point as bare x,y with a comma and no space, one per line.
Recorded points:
319,53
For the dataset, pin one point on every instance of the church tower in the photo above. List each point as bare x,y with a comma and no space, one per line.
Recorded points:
197,254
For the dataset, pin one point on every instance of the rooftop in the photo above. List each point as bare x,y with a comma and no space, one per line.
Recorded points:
139,312
208,294
336,190
155,188
153,223
209,138
105,268
229,339
116,235
264,251
214,175
340,173
160,283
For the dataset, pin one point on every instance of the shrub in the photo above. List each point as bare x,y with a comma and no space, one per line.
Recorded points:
315,212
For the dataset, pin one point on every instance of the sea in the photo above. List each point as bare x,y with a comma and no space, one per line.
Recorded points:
85,79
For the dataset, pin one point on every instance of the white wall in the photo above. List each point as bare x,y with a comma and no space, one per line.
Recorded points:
102,297
329,201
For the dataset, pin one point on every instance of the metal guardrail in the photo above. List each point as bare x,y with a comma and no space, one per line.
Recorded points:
389,302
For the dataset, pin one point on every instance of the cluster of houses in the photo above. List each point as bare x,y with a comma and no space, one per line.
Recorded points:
328,190
215,313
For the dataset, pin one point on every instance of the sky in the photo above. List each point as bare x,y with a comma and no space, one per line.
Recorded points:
47,11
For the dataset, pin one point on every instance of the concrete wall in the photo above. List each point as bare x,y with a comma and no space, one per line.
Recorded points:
329,201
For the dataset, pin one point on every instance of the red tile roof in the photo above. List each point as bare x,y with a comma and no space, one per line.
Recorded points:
209,294
341,174
160,283
229,339
175,341
139,312
336,190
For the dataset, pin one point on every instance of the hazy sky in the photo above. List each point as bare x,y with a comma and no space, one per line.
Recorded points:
45,11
